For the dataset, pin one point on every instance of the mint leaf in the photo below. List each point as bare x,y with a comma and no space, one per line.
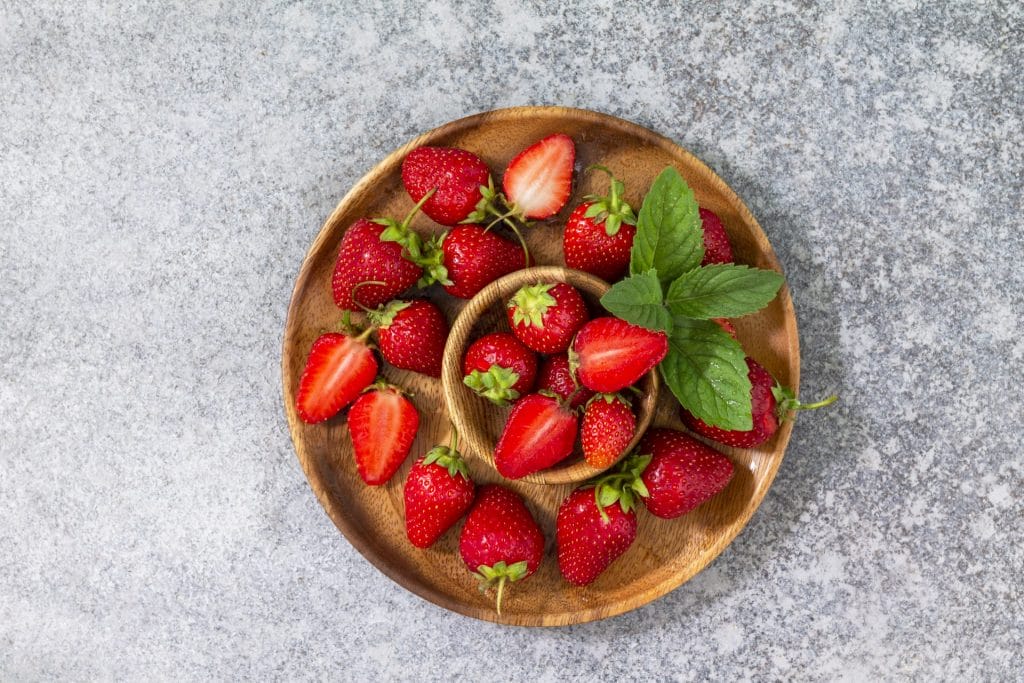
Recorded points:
638,300
707,371
722,291
669,237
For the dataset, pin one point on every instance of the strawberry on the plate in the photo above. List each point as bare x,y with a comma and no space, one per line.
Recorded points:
608,427
594,526
546,316
337,369
556,376
540,432
599,233
383,424
537,182
438,491
474,257
500,542
498,367
411,335
455,175
681,474
716,243
610,354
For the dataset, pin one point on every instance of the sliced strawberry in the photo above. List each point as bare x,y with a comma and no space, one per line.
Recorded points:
337,369
610,354
608,427
383,425
540,432
538,180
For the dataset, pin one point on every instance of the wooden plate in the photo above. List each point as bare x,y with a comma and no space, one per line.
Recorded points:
666,553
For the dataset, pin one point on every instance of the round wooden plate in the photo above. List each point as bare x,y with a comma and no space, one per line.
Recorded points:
667,552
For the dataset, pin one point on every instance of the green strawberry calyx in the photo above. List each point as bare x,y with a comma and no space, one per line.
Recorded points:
385,315
531,304
487,207
623,486
381,384
448,458
610,398
498,574
612,210
427,254
495,384
787,401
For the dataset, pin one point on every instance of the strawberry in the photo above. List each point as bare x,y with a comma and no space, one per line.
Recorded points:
594,526
608,427
411,335
540,432
474,257
500,541
609,354
556,376
337,369
538,180
438,491
457,176
383,425
498,367
716,242
681,472
726,325
546,316
599,233
770,404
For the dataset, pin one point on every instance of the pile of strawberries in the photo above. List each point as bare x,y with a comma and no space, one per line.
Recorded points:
556,364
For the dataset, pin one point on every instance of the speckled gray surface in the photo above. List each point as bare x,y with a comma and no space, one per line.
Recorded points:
164,169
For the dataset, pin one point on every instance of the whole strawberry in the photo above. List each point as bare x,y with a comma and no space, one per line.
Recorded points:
556,376
498,367
594,526
411,335
599,233
540,432
716,243
337,369
546,316
457,176
610,354
770,404
383,424
438,491
500,542
681,472
474,257
607,429
537,182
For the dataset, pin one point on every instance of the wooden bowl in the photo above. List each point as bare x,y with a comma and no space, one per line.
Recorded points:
479,421
667,552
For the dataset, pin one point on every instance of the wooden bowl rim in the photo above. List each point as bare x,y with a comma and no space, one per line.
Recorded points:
393,161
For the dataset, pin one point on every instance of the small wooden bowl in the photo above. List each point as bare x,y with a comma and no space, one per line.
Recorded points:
478,420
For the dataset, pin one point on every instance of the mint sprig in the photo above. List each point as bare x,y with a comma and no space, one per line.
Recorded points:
668,235
722,290
638,299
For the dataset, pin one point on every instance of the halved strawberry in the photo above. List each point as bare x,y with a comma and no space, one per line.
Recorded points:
383,425
538,180
610,354
540,432
337,369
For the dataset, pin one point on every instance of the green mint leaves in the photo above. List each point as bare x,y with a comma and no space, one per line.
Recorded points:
638,299
722,290
668,236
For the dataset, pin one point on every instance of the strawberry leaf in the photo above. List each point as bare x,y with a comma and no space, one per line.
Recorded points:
669,237
638,300
722,291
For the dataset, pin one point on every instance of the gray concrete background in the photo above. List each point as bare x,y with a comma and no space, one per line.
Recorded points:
163,169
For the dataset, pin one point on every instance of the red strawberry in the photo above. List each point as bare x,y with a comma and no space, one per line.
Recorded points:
500,541
681,472
546,316
337,369
383,425
538,180
595,525
716,242
540,432
556,376
474,258
770,403
437,493
609,354
498,367
726,325
455,174
599,234
411,335
608,427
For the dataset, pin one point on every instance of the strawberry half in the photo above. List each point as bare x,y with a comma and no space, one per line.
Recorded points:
546,316
337,369
595,525
599,233
474,258
498,367
383,425
540,432
500,542
438,491
556,376
610,354
716,243
681,472
538,180
608,426
411,335
456,175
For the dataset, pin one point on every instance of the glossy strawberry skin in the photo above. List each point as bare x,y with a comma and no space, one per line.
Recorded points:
763,410
505,351
457,176
383,424
539,433
475,258
613,354
555,375
500,528
363,257
587,544
435,500
683,473
337,369
588,246
415,337
607,429
539,179
562,316
716,242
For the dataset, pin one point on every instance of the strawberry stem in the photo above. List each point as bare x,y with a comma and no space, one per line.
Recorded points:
417,207
506,218
356,287
818,404
501,592
453,443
